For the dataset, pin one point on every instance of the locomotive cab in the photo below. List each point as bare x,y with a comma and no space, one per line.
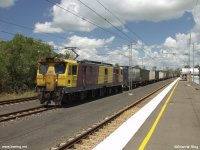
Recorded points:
53,77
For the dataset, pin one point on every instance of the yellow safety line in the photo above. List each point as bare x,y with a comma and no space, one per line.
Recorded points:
148,136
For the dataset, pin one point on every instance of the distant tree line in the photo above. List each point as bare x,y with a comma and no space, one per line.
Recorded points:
18,62
196,66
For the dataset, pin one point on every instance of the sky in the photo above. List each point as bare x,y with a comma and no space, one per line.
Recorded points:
158,30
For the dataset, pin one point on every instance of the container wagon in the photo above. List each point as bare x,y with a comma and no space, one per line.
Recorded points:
161,75
152,76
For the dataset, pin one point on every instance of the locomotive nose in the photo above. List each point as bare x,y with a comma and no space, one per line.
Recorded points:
50,82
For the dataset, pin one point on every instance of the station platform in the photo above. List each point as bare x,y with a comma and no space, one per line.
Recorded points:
173,124
179,125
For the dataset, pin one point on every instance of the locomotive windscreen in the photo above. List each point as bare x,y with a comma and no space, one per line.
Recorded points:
60,68
43,68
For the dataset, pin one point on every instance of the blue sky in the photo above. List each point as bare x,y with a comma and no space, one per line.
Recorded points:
161,26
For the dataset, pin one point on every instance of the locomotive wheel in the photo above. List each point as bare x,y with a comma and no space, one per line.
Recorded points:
82,95
41,97
120,89
92,94
69,98
109,91
117,89
59,100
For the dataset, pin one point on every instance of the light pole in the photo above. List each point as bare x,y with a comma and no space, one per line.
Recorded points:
189,48
130,68
193,64
142,62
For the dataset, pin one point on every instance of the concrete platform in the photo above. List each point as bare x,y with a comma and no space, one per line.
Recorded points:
178,126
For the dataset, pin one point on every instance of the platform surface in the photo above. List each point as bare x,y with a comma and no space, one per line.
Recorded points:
178,126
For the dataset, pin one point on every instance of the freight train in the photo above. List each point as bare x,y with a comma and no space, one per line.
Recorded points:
63,80
141,77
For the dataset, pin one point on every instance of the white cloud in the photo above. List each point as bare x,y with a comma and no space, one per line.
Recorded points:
55,46
47,28
127,10
88,46
174,52
181,40
85,42
170,42
7,3
92,48
196,16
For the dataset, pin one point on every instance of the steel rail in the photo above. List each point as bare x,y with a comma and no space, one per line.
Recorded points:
23,113
18,100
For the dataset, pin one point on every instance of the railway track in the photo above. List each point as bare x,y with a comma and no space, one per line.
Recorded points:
73,142
23,113
7,102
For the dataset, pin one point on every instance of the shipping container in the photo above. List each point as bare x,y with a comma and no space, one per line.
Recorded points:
125,77
152,75
135,74
161,75
144,74
156,75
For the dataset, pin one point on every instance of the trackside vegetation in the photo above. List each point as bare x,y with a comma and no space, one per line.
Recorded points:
18,62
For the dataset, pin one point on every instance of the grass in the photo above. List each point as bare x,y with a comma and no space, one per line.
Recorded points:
9,96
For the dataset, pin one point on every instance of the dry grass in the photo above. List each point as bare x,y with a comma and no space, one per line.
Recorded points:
9,96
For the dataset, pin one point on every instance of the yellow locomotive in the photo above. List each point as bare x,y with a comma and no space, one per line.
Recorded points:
60,80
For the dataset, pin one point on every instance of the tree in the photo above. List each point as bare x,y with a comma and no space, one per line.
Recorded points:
3,68
186,66
117,65
137,67
196,66
19,61
62,56
154,68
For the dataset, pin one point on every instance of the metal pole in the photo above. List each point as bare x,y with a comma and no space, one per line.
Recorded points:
129,68
199,75
189,49
189,75
131,72
142,62
193,63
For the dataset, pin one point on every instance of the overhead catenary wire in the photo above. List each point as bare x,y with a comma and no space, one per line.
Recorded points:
116,46
3,39
129,38
28,28
6,32
130,53
85,19
139,37
121,22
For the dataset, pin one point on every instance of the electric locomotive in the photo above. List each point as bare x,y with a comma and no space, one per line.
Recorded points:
59,80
